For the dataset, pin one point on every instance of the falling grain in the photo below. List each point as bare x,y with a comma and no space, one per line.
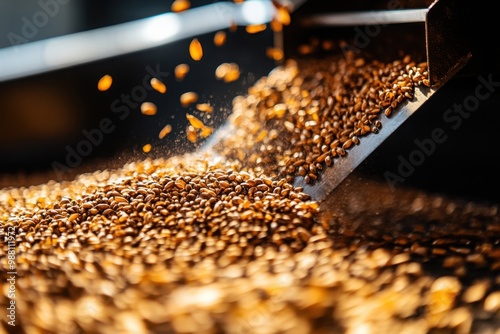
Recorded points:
195,49
104,83
148,108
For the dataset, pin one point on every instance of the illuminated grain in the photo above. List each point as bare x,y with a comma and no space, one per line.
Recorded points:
188,98
255,28
181,71
191,134
220,38
204,107
283,16
180,5
104,83
146,148
165,131
195,122
233,27
276,25
148,108
206,131
274,53
158,85
195,49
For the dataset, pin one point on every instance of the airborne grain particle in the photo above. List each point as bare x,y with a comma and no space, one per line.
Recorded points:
146,148
204,107
158,85
283,16
104,83
165,131
255,28
194,121
220,38
180,6
195,49
148,108
188,98
181,71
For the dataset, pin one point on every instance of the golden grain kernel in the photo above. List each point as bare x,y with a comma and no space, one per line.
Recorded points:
181,71
276,25
195,49
220,38
158,85
146,148
206,131
195,122
148,108
233,27
180,5
165,131
255,28
283,16
274,53
104,83
204,107
188,98
228,72
191,134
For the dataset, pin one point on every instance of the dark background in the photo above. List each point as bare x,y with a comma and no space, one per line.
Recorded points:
41,115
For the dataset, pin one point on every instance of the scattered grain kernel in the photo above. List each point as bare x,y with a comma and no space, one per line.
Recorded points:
148,108
220,38
255,28
158,85
188,98
181,71
195,49
104,83
165,131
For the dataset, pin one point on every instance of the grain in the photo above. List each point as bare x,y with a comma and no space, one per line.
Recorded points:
165,131
274,53
180,5
181,71
188,98
146,148
220,38
228,72
148,108
225,243
105,83
158,85
194,121
204,107
195,49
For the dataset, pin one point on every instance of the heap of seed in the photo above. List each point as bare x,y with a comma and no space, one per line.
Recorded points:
305,114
